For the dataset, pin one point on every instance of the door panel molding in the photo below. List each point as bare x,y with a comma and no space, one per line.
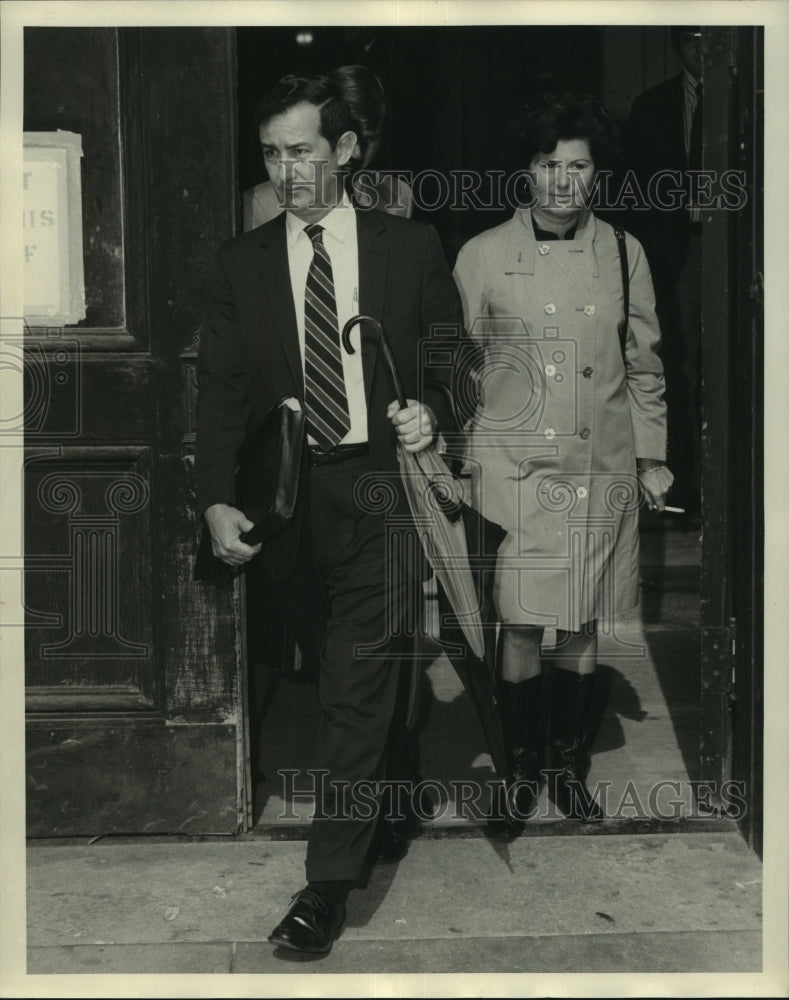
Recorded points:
130,775
86,698
88,540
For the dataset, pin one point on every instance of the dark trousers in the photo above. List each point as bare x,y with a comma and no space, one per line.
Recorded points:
349,599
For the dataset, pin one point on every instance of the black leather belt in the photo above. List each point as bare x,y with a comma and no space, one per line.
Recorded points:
339,453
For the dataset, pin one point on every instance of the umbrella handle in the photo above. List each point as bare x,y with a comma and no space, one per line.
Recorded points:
387,349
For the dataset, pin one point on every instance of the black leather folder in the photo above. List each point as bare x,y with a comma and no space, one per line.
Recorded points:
268,482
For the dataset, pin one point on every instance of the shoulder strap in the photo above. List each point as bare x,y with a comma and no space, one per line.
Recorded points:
622,245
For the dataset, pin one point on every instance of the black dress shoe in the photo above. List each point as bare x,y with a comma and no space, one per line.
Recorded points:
390,843
312,924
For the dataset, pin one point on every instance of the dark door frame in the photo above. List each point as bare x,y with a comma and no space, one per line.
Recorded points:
732,667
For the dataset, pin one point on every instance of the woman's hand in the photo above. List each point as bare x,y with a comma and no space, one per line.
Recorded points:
655,481
416,425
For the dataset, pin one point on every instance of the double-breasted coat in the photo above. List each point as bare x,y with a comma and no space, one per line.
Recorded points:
562,416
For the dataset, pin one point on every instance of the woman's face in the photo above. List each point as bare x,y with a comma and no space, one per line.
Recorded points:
562,180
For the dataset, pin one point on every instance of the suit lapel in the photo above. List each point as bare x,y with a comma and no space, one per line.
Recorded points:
373,261
676,123
275,275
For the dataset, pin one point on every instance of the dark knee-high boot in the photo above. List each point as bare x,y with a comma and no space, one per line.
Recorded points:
524,735
570,718
520,703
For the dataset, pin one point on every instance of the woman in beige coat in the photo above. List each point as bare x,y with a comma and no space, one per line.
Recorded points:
569,435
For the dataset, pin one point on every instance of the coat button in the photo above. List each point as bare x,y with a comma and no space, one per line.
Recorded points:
549,433
550,309
586,433
581,492
550,369
587,372
588,310
543,249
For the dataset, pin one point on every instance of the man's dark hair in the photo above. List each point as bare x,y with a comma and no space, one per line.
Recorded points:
553,116
320,91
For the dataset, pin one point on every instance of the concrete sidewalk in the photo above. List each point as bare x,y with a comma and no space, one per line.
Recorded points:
645,897
646,903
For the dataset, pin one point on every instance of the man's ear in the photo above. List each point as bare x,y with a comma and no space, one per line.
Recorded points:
345,147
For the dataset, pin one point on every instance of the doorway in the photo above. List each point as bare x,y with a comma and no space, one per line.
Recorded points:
670,716
120,735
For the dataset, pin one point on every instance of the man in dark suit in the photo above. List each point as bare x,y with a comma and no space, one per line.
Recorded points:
277,297
663,141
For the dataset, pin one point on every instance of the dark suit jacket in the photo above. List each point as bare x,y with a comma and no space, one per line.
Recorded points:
249,355
655,141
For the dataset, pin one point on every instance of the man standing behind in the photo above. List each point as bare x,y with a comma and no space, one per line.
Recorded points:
664,137
277,298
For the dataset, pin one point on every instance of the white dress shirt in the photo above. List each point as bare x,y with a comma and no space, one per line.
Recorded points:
341,242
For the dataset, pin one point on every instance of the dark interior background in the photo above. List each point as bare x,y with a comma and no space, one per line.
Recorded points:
451,91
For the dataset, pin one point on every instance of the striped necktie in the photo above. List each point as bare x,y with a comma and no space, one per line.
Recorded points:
326,399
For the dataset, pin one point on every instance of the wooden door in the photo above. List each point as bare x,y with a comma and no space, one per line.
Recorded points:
134,693
732,484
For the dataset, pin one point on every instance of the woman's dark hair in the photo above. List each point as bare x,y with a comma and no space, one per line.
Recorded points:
320,91
366,100
553,116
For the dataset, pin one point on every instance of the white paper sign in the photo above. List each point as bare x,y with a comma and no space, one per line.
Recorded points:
52,227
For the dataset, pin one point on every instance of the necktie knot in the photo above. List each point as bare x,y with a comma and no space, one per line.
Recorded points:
315,233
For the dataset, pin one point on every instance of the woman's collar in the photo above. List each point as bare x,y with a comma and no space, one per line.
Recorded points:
523,245
585,227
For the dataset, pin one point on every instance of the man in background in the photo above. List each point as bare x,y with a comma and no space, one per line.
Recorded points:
664,134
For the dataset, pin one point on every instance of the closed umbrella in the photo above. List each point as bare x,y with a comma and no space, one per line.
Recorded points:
478,674
435,498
